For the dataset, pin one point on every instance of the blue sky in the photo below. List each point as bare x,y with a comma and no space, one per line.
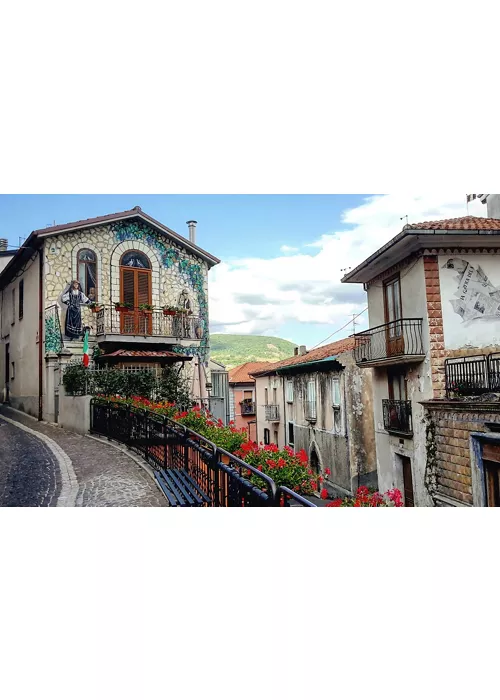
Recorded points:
282,255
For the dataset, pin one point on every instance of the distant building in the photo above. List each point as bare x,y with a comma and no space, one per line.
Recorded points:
242,396
433,345
321,402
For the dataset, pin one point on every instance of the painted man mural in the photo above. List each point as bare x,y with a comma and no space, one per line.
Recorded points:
74,298
476,297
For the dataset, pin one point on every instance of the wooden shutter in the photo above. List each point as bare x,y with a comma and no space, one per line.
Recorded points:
128,286
143,288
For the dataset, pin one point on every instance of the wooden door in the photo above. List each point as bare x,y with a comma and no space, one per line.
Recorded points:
408,483
393,315
135,289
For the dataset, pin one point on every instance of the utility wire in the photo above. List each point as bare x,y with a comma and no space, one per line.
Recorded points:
340,329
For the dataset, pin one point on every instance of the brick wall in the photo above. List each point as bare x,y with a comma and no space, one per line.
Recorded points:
436,335
452,468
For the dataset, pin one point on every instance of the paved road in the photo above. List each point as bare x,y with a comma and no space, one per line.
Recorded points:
83,472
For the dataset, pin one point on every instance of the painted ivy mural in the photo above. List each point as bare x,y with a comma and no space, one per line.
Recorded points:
53,342
191,272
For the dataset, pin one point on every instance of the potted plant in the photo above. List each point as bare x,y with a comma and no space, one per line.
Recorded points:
146,308
94,307
169,310
123,306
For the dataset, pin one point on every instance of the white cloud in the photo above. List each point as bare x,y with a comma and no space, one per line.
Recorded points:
256,295
288,249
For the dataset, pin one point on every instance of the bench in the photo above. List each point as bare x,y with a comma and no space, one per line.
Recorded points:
180,488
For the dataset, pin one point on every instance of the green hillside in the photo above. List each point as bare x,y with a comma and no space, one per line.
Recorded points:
233,350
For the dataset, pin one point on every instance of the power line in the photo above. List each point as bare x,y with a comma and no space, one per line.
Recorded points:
340,329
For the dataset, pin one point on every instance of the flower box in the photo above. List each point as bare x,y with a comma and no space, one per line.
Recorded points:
168,313
123,309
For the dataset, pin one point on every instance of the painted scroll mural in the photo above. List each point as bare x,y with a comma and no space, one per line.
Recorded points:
470,297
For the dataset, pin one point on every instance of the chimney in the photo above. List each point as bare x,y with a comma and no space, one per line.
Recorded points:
296,351
302,350
3,244
192,230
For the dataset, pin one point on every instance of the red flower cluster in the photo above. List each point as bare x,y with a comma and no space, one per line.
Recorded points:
366,499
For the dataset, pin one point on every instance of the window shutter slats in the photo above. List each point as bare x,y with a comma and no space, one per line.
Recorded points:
143,296
128,286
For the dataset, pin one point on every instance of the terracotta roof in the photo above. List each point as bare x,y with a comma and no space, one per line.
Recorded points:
464,223
321,353
145,354
240,374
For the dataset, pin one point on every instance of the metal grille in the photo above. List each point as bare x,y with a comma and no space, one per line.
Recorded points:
397,416
467,375
165,444
247,408
272,412
397,338
109,321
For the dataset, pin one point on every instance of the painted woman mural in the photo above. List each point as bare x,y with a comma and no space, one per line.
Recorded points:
73,297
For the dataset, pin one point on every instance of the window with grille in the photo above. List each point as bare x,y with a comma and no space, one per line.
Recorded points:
21,299
289,391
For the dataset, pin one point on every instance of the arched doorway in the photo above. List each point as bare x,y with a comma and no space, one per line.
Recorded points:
316,469
135,289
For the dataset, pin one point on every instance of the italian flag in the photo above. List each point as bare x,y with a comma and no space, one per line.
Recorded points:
86,349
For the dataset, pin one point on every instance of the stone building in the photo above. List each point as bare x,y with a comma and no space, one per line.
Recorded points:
432,344
321,402
126,259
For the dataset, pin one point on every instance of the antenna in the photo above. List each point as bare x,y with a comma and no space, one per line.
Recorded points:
344,269
404,217
354,323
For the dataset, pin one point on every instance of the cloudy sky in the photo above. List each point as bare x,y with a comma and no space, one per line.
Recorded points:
282,255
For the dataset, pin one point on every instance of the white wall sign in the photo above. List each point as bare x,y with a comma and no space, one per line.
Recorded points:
470,299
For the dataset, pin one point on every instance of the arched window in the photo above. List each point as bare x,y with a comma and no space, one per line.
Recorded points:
134,258
87,272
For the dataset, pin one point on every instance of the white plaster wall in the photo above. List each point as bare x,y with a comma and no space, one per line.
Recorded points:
493,206
478,298
419,388
22,337
4,260
261,383
74,412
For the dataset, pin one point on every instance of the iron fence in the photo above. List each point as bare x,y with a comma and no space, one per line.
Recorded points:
395,339
109,321
166,444
247,408
472,375
397,416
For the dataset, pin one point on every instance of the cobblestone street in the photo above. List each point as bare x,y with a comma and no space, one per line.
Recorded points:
66,469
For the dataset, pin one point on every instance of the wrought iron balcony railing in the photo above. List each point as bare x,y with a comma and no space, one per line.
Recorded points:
109,321
395,342
473,375
397,416
247,408
272,412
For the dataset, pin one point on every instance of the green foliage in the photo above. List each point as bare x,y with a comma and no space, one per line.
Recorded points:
234,350
173,388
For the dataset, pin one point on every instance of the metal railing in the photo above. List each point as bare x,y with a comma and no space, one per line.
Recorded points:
401,338
397,416
472,375
165,444
247,409
272,412
153,323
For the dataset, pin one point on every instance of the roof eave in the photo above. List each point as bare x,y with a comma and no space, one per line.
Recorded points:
311,364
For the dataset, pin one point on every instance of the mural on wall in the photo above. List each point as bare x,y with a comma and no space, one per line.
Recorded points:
191,272
470,300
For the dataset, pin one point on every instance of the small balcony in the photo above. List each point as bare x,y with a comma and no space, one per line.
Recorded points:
247,408
272,413
472,375
397,417
395,343
146,326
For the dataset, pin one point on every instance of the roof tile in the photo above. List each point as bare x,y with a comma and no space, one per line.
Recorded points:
320,353
240,374
464,223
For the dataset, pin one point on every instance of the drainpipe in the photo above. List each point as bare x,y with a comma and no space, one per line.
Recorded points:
40,334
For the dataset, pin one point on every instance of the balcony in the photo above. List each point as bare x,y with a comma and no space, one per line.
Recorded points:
395,343
272,413
150,327
247,408
473,375
397,417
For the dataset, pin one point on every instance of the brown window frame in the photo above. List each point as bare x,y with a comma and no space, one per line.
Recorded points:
85,263
390,283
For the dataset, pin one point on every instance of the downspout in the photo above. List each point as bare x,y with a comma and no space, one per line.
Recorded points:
40,334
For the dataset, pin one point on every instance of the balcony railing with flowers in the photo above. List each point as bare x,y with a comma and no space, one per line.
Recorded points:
247,408
107,320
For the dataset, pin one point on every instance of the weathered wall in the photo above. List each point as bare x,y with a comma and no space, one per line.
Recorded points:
390,448
22,337
449,473
74,412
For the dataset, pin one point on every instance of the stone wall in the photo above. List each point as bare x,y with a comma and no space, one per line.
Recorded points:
449,476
